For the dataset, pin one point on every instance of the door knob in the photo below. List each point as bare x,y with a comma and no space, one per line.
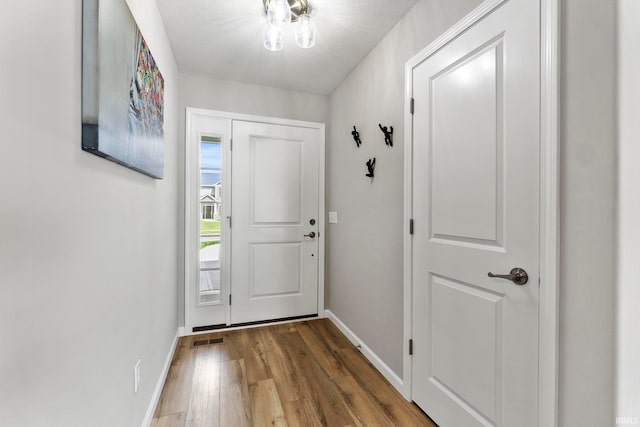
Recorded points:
311,235
517,276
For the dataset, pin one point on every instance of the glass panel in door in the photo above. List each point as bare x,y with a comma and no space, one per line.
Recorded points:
210,217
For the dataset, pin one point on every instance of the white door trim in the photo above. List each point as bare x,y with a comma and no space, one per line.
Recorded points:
549,201
190,254
548,310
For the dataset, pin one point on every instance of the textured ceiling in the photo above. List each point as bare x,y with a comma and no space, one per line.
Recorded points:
223,39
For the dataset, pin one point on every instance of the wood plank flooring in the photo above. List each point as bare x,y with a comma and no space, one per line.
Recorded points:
303,374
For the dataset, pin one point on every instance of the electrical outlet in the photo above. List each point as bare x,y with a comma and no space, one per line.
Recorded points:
136,376
333,217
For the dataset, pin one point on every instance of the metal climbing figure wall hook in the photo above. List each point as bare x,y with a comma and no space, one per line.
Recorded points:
371,165
388,134
356,137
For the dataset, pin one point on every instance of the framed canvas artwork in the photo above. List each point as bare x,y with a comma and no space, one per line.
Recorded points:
122,90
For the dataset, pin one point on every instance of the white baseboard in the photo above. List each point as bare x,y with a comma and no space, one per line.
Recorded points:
391,376
160,384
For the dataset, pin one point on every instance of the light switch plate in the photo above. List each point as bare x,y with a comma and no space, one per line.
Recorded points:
333,217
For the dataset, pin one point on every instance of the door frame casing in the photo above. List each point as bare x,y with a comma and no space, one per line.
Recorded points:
190,208
548,306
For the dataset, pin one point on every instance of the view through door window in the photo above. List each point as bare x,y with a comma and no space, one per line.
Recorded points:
210,217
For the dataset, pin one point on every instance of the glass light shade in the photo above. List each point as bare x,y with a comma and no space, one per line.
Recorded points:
278,11
305,32
273,38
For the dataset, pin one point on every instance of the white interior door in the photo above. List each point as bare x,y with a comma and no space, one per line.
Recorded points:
476,210
275,221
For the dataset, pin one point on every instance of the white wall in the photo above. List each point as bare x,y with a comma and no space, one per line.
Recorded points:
88,258
364,250
235,97
628,296
588,174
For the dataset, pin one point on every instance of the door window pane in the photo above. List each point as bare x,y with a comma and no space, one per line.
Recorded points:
209,286
210,217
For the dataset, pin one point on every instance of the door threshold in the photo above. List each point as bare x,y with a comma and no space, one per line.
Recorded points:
223,326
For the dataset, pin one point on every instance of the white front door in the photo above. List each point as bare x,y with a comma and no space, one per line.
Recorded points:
476,210
275,221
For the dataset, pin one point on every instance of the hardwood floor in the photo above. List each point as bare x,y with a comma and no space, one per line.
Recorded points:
298,374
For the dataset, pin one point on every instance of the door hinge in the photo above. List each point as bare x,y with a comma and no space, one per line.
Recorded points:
410,347
229,218
411,226
231,144
412,105
229,299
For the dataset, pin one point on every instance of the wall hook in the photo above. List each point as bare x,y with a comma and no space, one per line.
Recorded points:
356,137
388,134
371,165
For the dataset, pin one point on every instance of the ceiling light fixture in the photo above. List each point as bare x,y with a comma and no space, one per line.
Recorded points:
273,38
281,12
278,12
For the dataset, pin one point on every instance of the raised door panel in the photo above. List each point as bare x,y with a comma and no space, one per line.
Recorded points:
466,148
275,269
466,343
276,181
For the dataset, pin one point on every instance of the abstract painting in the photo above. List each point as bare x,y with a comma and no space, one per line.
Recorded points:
122,90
